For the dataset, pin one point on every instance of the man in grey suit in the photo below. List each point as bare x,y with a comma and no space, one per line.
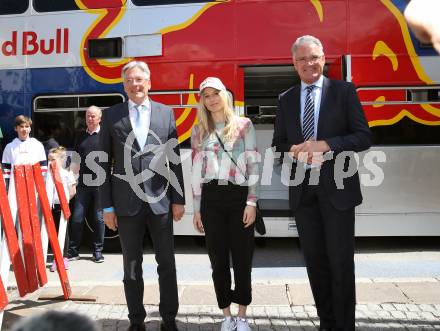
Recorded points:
144,191
316,117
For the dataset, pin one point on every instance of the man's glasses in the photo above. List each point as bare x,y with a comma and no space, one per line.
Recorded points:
310,59
134,80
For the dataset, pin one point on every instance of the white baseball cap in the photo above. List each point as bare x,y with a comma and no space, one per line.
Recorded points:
213,82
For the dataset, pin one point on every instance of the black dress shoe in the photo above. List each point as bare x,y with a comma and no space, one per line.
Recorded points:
136,327
168,326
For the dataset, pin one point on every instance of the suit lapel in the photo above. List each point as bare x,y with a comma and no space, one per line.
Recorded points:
125,120
154,123
295,117
126,125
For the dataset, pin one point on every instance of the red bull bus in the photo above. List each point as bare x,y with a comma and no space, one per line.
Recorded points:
59,57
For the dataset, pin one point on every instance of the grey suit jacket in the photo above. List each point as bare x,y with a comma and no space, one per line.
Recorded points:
341,124
134,176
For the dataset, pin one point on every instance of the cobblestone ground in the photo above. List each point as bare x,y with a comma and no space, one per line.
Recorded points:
264,318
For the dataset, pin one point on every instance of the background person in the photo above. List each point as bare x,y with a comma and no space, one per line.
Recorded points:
423,19
23,149
224,209
87,193
50,138
143,193
58,155
317,116
56,321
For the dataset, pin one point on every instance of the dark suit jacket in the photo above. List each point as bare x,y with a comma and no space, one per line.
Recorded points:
161,182
341,124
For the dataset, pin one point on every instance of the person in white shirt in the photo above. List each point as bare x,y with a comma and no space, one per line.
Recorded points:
23,149
67,178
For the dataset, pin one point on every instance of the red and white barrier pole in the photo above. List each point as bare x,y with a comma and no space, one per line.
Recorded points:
51,230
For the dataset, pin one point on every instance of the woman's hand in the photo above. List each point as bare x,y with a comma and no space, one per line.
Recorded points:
197,221
249,215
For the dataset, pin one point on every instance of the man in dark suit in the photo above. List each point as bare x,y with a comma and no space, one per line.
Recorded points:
144,191
320,124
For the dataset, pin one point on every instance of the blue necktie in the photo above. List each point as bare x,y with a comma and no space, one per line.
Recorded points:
308,127
140,129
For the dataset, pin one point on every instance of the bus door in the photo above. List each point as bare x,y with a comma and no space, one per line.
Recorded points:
62,117
262,85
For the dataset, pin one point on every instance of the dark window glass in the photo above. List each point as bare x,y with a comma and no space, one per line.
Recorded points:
61,118
421,95
164,2
59,125
55,5
13,6
262,86
102,101
105,48
406,132
60,103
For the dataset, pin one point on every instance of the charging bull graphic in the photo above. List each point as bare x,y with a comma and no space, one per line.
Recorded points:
220,36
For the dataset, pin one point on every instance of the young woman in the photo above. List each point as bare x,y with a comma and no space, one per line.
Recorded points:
225,177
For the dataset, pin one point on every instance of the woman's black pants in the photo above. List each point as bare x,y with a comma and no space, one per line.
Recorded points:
222,208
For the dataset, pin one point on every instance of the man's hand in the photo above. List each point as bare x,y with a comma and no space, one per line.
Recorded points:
310,151
111,220
197,221
422,17
178,211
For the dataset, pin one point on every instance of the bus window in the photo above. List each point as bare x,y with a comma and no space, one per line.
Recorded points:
165,2
8,7
64,5
62,117
55,5
262,85
421,95
105,48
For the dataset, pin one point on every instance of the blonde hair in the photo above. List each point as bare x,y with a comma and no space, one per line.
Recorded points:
206,123
59,153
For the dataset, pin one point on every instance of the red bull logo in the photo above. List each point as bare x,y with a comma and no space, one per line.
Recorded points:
30,43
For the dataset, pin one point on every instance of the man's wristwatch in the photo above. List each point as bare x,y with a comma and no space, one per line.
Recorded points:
251,203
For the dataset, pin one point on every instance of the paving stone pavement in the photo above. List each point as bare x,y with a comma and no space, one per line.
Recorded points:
415,307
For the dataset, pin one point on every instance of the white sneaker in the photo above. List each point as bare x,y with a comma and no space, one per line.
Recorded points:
242,324
228,324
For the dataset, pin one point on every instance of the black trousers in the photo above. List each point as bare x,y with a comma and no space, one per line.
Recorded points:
222,209
327,240
131,234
